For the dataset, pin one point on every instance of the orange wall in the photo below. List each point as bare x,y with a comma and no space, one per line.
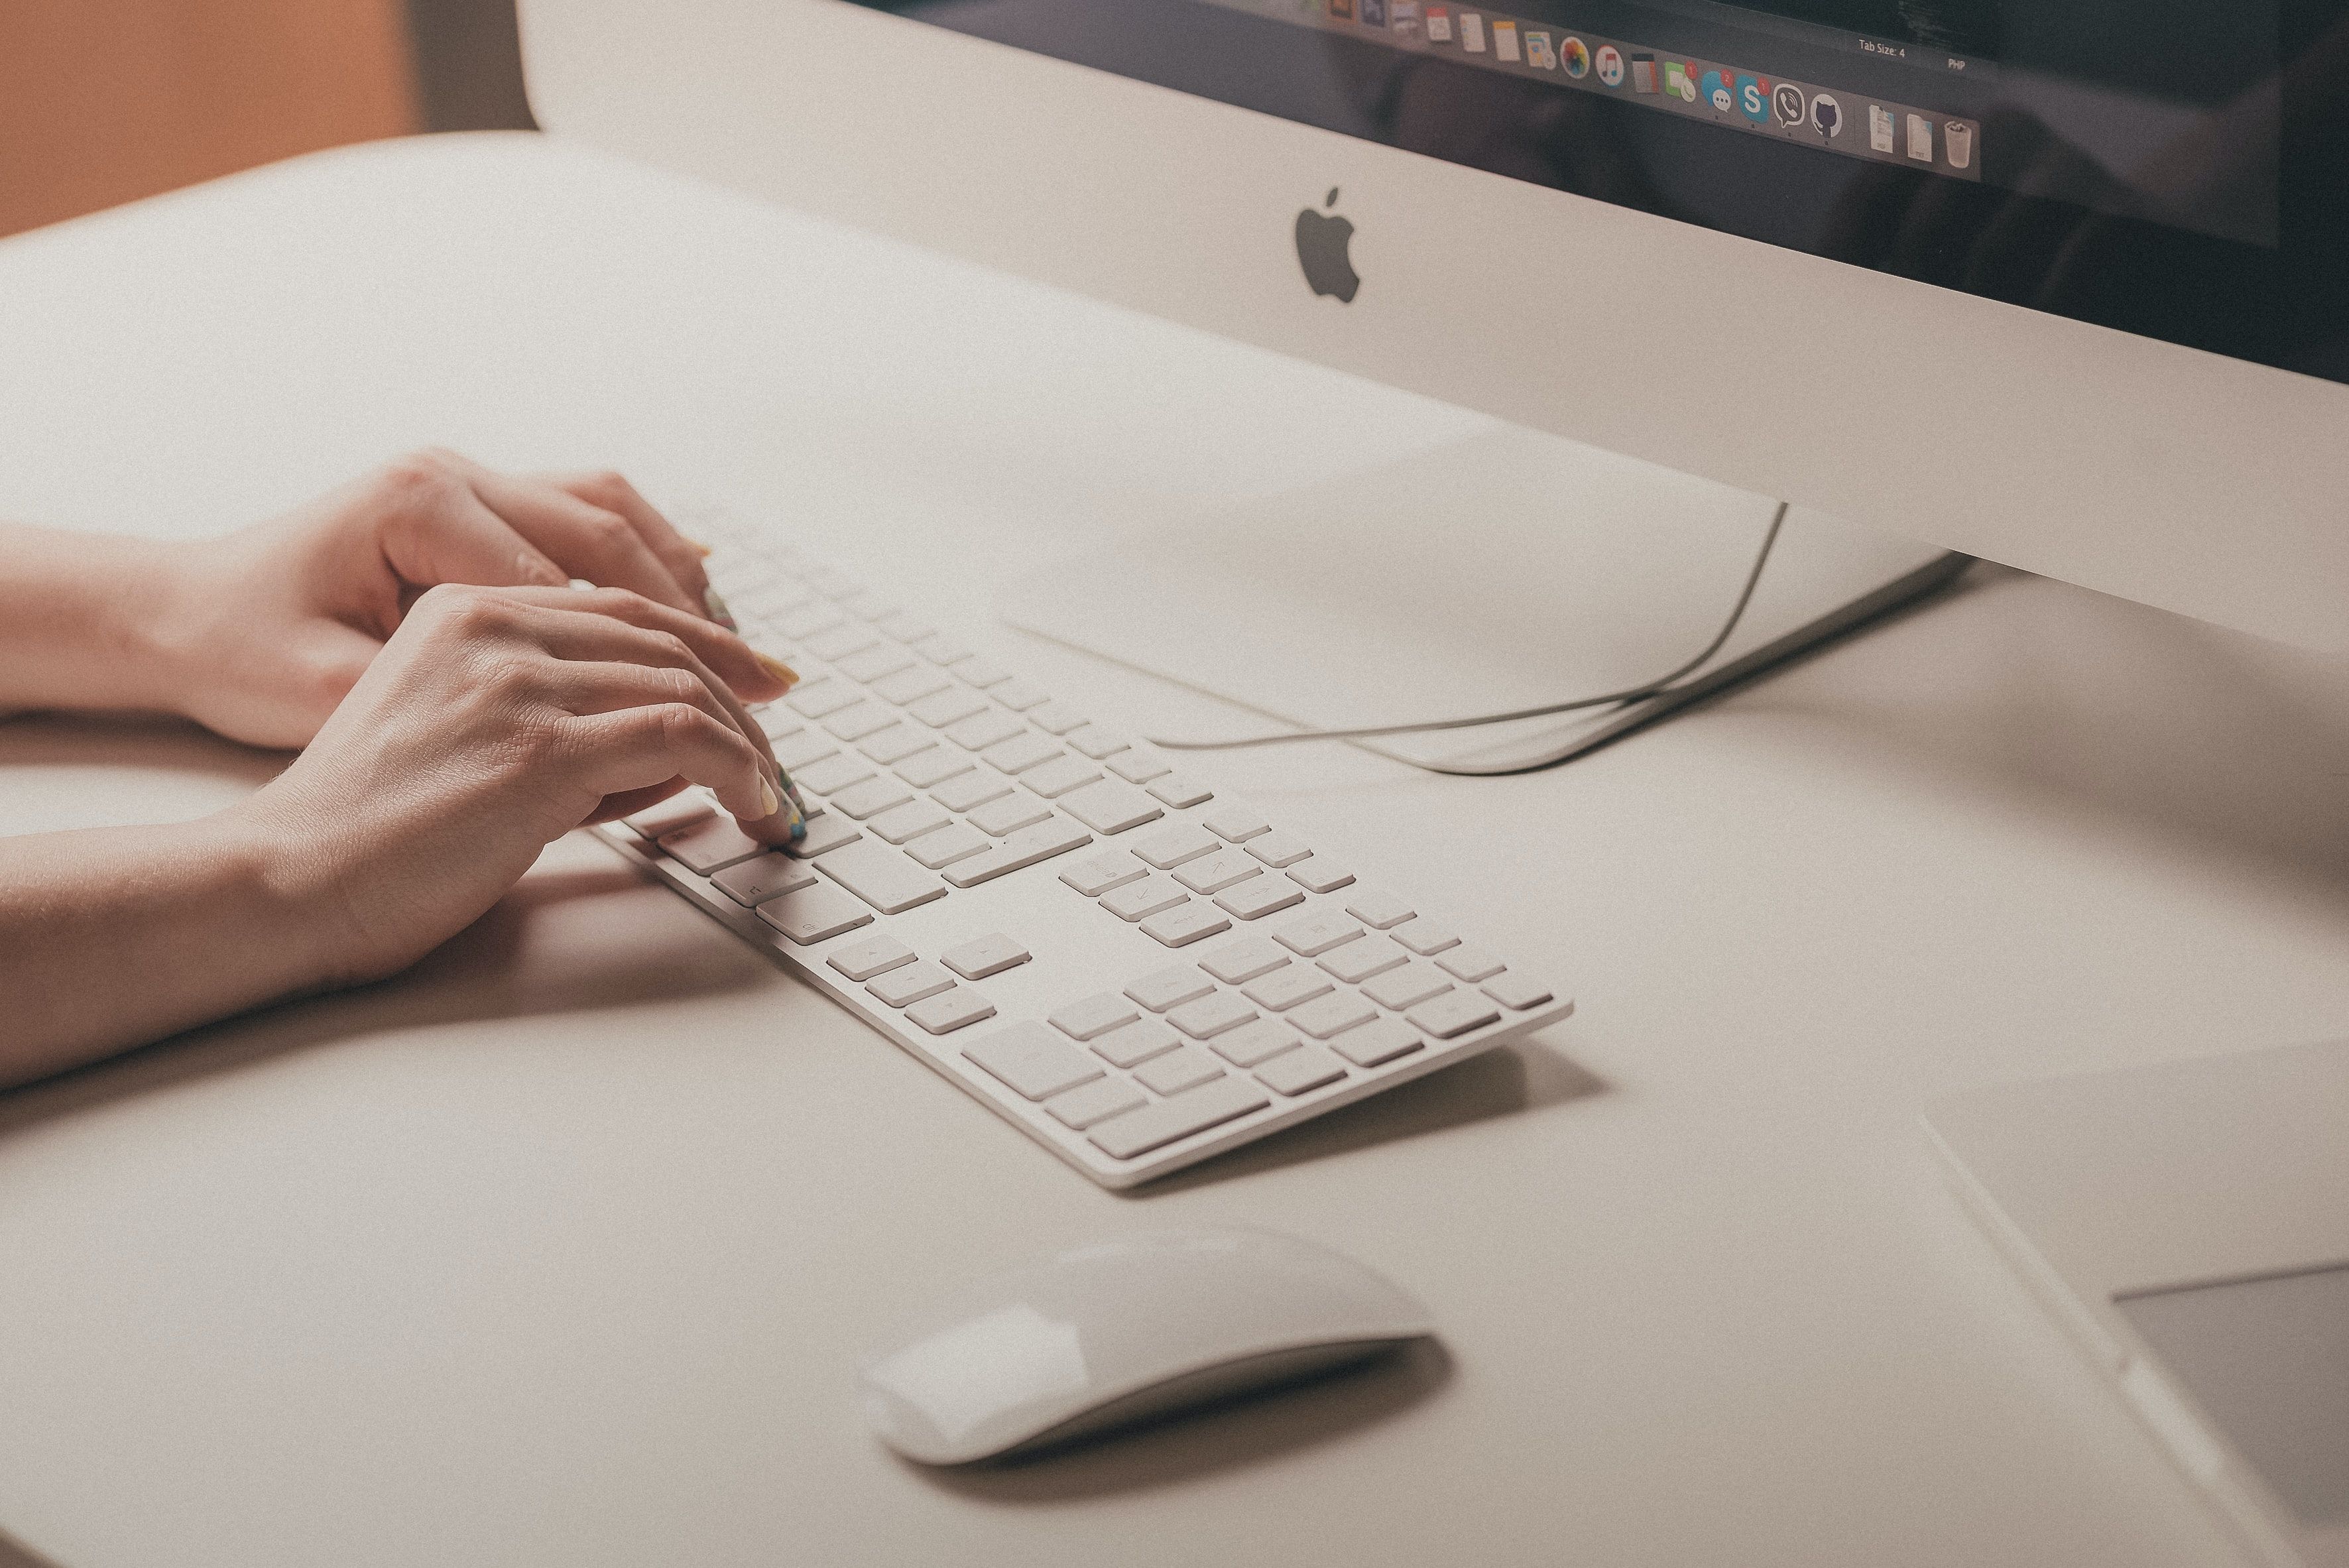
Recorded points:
103,101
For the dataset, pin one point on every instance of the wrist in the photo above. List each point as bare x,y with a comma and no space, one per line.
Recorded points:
277,881
87,621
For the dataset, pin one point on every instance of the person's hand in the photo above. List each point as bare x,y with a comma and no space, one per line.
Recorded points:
265,630
493,722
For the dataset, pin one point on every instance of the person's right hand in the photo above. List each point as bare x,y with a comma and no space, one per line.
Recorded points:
493,722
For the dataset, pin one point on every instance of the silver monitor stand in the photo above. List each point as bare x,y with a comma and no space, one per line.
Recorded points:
1503,569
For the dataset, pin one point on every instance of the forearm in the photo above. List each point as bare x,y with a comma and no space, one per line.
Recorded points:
80,621
111,938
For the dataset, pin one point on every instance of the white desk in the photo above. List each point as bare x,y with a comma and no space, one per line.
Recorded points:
561,1250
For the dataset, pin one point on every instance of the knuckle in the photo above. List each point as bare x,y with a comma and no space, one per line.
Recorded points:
415,474
673,648
605,482
679,687
609,532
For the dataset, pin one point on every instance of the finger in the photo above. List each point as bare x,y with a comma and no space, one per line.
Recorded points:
681,555
591,639
641,748
585,540
753,675
441,532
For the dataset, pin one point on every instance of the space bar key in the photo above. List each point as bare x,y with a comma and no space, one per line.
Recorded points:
1024,848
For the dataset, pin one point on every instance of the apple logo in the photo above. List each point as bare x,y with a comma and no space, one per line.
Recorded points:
1321,242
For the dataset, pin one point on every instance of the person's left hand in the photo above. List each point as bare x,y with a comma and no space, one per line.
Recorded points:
265,630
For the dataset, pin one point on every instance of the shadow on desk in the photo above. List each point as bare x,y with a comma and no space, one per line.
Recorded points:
12,1555
1225,1437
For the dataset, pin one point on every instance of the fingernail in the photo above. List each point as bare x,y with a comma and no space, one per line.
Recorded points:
716,605
777,668
769,799
698,548
794,791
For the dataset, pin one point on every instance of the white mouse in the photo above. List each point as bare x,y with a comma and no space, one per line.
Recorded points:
1124,1331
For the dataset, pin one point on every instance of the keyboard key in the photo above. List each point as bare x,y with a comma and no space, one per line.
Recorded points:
824,834
1470,963
1139,900
951,706
895,744
1356,961
1139,765
1453,1012
881,876
907,628
876,662
1165,988
866,718
813,913
1098,874
1016,694
1253,1043
1319,876
1516,993
1108,807
985,955
1260,896
928,768
979,672
981,730
1296,1072
753,882
1278,851
1191,922
1178,1070
1080,1108
1096,742
1179,792
806,620
711,845
1237,823
677,811
873,956
975,787
839,641
1082,1020
1057,719
1136,1042
1405,987
777,722
1023,750
1170,847
1285,988
871,798
941,649
1424,938
1210,1015
950,1010
910,687
944,847
1378,910
799,750
1236,963
1022,849
1332,1015
833,773
1010,814
910,821
909,982
1314,934
1381,1040
1032,1062
1163,1121
1057,777
1214,873
818,699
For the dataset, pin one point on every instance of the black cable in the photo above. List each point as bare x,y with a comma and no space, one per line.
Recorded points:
1657,687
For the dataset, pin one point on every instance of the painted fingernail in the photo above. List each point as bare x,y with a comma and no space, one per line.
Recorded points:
777,668
698,548
794,791
716,605
769,799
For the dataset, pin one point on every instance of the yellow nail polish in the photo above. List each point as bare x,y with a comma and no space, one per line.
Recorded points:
698,548
777,668
769,799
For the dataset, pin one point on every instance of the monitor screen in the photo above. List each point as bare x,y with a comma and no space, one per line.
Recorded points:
2177,169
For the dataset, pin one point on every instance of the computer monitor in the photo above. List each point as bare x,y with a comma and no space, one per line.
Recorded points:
2060,282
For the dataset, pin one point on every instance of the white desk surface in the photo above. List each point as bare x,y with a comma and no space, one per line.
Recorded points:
562,1249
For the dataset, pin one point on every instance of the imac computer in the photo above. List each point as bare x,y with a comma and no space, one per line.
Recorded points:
2062,283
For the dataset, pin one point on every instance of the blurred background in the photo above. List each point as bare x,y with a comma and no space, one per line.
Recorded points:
104,101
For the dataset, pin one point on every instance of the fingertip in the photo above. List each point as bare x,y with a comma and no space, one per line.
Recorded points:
774,667
715,602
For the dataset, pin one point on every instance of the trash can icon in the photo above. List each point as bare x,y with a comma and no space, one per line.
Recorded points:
1959,143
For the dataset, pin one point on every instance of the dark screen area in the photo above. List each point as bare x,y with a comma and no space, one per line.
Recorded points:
2177,169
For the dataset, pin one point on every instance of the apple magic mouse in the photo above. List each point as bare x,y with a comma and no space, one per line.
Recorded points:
1121,1331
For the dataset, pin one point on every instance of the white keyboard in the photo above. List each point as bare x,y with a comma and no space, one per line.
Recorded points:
1137,971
